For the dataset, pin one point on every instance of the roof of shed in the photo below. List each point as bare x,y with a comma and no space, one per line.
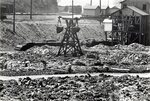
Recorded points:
138,10
135,9
114,7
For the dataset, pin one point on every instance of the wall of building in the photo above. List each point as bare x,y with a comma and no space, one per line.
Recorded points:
97,11
148,30
103,12
89,12
8,8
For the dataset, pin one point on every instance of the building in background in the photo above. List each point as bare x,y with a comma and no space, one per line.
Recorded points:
68,9
91,11
111,10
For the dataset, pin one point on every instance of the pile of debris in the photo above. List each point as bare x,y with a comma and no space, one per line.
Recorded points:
96,59
85,88
134,54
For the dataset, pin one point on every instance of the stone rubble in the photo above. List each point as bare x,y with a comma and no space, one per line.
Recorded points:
77,88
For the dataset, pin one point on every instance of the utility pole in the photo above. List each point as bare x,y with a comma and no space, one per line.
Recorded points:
91,3
31,1
14,16
108,3
72,9
100,4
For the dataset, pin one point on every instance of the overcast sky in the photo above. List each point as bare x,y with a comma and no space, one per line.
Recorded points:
85,2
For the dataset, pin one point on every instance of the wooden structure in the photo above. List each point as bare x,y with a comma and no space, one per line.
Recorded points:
143,5
91,11
6,7
110,11
2,13
129,25
70,43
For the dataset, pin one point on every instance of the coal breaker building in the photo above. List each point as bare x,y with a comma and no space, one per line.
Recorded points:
131,24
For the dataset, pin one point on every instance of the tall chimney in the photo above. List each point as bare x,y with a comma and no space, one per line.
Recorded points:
91,3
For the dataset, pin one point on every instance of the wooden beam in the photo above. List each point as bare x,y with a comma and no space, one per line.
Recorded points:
106,36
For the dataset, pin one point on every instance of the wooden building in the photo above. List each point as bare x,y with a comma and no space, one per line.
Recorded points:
6,8
91,11
94,11
76,9
132,22
110,11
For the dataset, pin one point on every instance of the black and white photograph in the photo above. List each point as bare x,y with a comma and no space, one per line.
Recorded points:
74,50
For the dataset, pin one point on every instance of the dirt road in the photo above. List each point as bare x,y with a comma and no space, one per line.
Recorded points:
144,75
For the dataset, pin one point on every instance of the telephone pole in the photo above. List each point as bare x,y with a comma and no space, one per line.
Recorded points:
72,9
100,4
91,3
108,3
14,16
31,2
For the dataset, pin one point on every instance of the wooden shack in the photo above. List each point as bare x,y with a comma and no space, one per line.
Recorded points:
91,11
6,7
111,10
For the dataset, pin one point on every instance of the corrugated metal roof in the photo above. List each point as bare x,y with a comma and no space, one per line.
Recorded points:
137,10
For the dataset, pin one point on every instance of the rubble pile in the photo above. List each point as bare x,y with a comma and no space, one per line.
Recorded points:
131,47
134,54
99,58
77,88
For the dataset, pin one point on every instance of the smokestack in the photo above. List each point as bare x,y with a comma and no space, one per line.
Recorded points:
91,3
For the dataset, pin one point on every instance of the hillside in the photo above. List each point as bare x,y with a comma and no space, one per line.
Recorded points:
38,32
39,6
